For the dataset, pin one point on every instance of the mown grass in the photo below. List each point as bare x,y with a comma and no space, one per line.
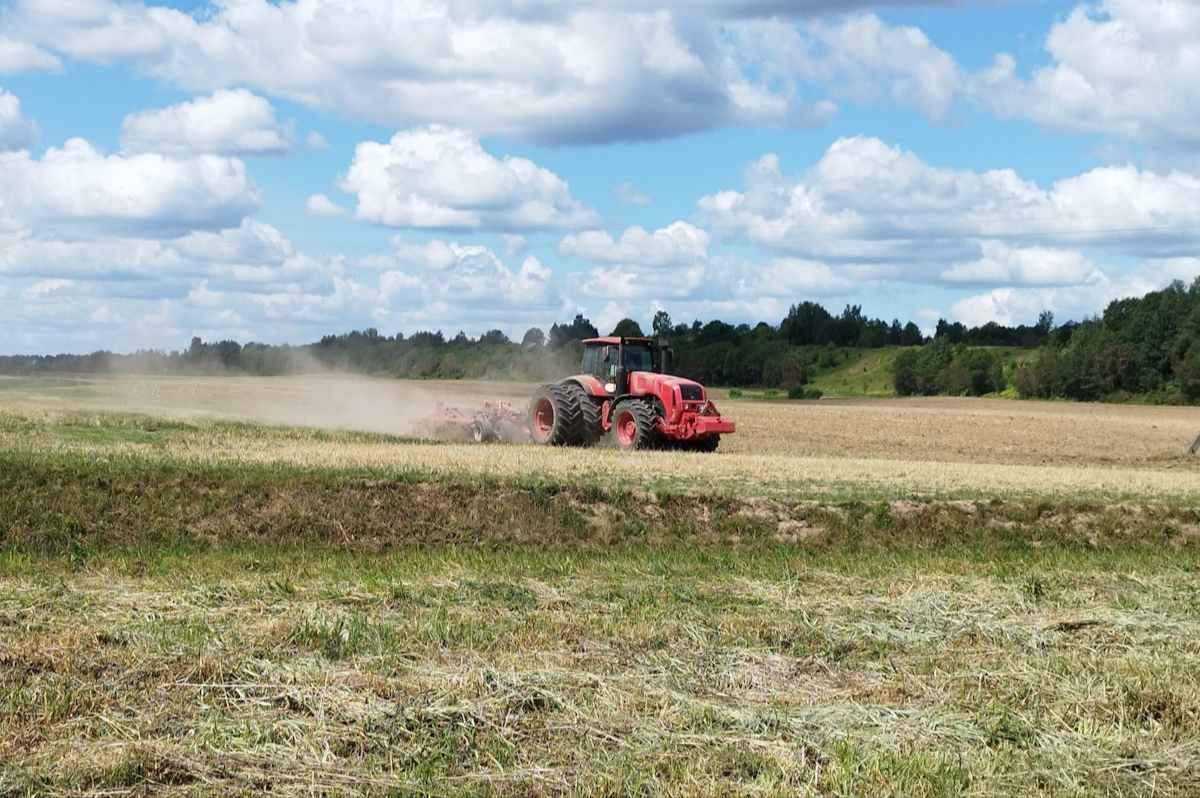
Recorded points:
638,670
177,625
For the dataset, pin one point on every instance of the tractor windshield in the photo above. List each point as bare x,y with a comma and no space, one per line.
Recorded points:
601,361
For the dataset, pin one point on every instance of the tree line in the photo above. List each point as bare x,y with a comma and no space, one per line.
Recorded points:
1140,347
807,341
1147,347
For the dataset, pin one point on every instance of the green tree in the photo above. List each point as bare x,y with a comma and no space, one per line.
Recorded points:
904,373
628,328
662,324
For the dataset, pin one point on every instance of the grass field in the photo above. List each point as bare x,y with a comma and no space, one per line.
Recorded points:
237,586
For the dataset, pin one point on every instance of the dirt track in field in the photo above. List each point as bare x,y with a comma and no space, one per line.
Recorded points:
945,430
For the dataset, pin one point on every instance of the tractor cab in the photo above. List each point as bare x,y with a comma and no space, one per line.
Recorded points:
603,357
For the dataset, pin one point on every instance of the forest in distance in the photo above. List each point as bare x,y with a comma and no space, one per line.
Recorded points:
1140,348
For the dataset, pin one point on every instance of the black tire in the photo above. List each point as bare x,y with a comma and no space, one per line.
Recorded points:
708,443
508,432
634,425
555,418
482,432
590,430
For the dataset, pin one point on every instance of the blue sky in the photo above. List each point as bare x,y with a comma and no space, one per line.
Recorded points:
279,171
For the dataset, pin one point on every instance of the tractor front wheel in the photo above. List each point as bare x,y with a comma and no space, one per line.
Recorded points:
633,425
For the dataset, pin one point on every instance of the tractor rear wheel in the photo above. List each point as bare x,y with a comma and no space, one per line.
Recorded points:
555,418
590,430
634,425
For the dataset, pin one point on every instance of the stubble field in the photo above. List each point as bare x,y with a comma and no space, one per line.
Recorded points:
234,586
889,448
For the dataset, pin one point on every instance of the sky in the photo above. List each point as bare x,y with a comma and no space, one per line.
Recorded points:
275,172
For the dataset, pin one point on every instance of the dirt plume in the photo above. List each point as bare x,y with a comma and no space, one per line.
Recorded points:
330,401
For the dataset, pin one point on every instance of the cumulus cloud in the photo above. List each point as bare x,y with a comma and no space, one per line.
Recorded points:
629,195
78,189
22,56
16,132
466,276
252,252
866,202
321,205
1128,68
671,262
1002,264
438,177
97,30
553,73
1021,303
245,283
676,244
230,122
642,270
586,72
859,58
444,285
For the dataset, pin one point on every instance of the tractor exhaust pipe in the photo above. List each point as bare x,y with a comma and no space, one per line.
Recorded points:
622,374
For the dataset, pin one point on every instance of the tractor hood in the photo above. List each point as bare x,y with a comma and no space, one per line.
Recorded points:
649,382
646,383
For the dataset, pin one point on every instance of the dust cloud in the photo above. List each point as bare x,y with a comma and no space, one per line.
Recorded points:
327,401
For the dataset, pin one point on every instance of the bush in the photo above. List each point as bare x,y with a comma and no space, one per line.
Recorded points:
803,392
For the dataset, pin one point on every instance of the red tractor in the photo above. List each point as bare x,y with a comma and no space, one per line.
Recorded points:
622,393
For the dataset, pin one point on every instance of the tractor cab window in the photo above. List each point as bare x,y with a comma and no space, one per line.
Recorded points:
638,359
592,361
601,361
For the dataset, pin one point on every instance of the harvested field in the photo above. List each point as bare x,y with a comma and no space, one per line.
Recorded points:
910,598
936,447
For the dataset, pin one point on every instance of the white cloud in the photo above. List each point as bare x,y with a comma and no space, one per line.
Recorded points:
97,30
1129,68
21,56
247,283
669,263
78,189
442,285
1002,264
788,278
321,205
16,132
230,122
45,287
438,177
675,244
582,72
1022,304
859,58
865,202
629,195
252,253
